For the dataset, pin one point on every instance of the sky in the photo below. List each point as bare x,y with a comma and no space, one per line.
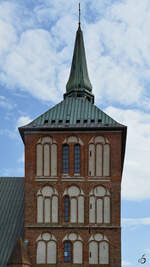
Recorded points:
36,47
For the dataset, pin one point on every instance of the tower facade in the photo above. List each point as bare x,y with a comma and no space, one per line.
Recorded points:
74,156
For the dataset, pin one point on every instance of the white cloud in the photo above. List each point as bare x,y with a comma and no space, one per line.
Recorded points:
23,120
126,263
117,49
29,67
133,222
5,103
136,175
13,133
7,132
146,250
120,58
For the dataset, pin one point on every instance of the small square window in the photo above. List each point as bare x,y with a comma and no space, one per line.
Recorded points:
78,121
67,121
45,121
53,121
92,120
85,121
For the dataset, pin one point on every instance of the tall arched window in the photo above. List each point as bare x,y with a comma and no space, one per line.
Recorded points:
98,249
75,196
65,159
46,157
99,157
46,249
99,205
71,144
67,208
47,205
73,248
77,158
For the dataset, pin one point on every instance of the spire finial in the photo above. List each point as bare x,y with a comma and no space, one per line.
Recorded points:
79,14
79,84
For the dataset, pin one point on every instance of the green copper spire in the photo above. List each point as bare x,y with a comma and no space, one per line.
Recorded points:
79,84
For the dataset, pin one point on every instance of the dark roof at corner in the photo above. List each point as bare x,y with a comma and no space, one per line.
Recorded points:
73,112
11,215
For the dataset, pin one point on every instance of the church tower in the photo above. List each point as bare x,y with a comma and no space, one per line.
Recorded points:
74,155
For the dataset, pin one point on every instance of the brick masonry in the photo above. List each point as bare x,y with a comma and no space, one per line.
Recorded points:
113,183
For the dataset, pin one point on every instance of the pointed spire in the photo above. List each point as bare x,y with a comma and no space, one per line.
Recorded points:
79,14
79,84
19,255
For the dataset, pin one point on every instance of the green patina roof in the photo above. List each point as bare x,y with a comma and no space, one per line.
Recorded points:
79,83
73,113
11,215
77,109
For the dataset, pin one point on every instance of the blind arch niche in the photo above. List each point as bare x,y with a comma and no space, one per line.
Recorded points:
47,205
99,205
46,157
99,157
98,249
46,249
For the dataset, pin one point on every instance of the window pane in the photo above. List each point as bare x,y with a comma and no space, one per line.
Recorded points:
77,158
67,208
67,251
65,159
41,252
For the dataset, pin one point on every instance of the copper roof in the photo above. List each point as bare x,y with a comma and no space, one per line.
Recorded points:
11,215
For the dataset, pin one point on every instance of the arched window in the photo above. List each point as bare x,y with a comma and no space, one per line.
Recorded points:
73,248
74,196
99,157
46,249
67,208
71,142
99,205
47,205
46,157
67,251
65,159
77,158
98,249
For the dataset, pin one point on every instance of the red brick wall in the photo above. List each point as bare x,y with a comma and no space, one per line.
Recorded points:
32,231
18,265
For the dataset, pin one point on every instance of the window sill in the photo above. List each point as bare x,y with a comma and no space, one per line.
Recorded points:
72,178
95,178
48,179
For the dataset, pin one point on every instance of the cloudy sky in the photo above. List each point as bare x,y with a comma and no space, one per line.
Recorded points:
36,46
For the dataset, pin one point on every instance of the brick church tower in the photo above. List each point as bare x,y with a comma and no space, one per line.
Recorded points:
74,155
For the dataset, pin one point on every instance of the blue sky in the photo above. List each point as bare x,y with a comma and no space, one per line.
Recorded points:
37,39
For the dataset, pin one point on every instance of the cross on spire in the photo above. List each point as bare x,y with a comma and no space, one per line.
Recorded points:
79,15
